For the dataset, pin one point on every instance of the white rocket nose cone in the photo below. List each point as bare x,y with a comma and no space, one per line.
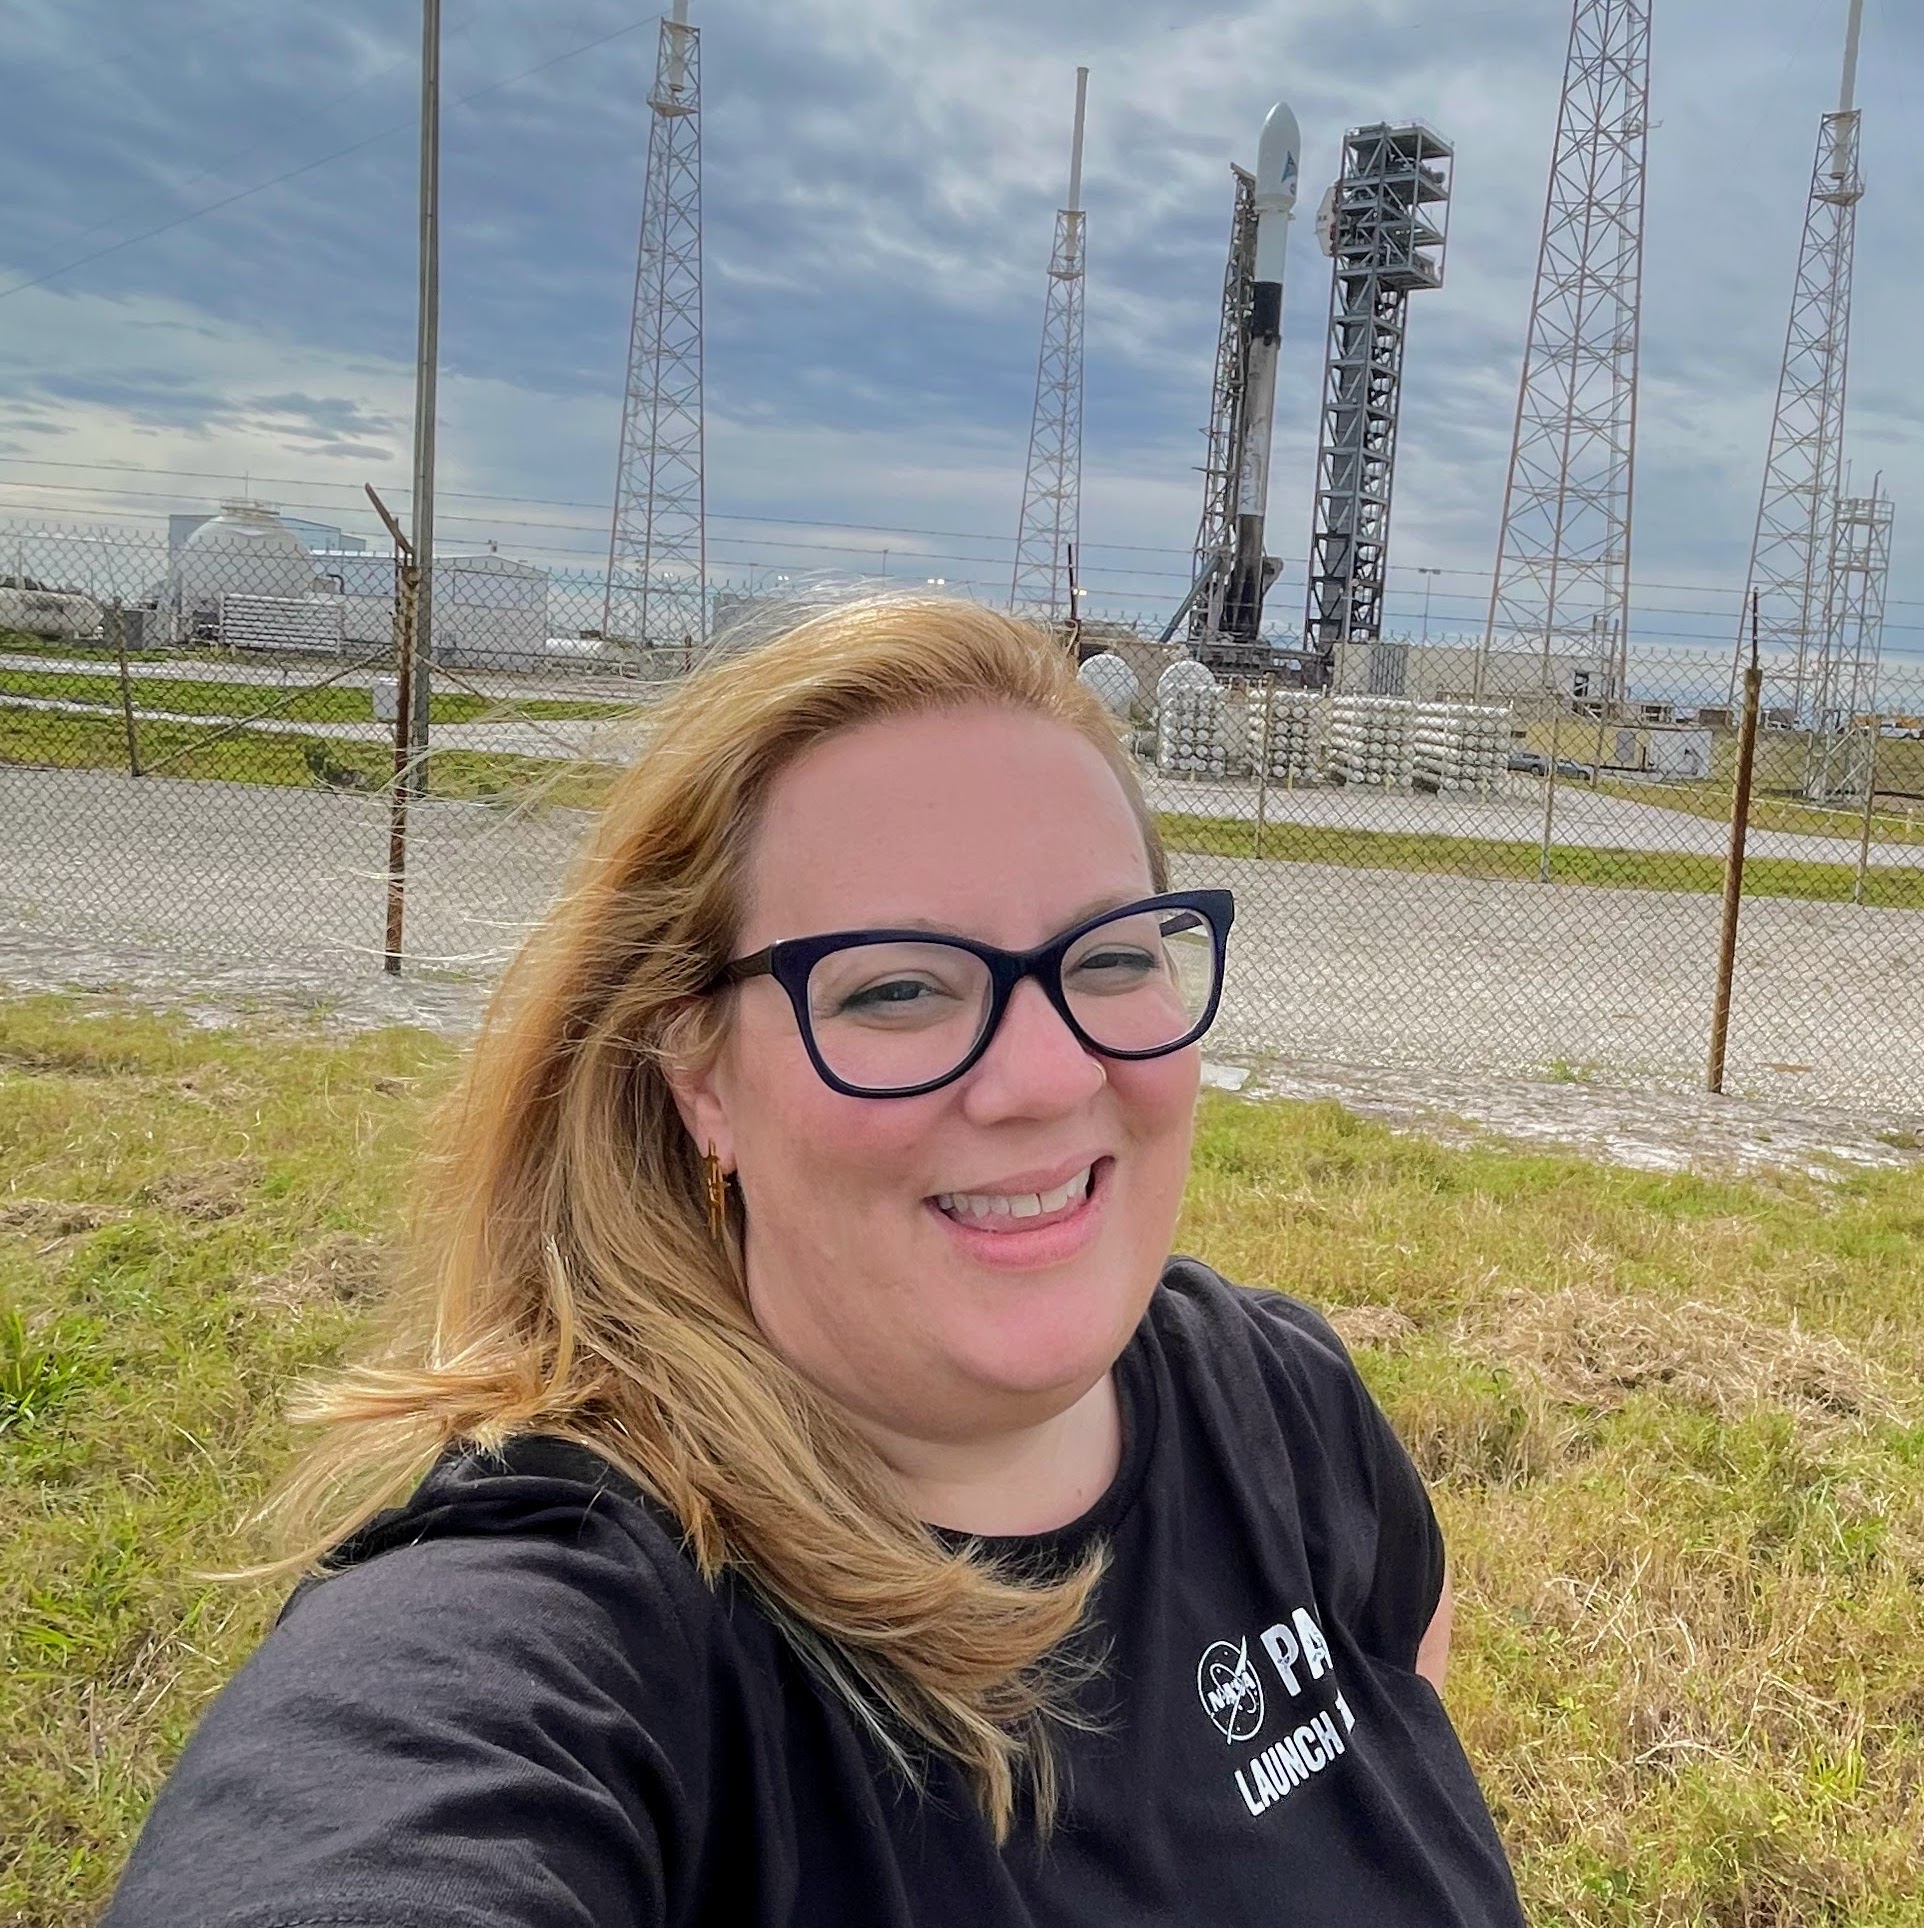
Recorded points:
1276,160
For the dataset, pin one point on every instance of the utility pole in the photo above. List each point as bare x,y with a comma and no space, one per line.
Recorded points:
426,362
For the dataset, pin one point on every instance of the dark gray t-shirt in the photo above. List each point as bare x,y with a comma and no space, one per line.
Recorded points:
516,1703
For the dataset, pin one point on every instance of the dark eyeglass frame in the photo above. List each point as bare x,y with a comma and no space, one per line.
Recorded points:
790,960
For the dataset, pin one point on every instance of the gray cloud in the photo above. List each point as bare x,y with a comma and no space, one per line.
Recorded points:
880,180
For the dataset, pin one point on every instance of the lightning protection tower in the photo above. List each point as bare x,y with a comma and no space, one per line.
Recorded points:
1844,696
658,547
1052,482
1562,573
1384,228
1790,552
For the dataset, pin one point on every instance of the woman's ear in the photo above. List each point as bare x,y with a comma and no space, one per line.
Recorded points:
693,1057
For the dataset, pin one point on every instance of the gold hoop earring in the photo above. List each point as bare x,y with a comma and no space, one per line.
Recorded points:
717,1182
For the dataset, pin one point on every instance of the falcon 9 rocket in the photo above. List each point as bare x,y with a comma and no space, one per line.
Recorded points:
1275,200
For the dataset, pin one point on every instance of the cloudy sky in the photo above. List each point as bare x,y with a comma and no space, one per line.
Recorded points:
207,268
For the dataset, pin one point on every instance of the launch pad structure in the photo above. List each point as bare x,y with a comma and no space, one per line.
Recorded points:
1223,461
1385,228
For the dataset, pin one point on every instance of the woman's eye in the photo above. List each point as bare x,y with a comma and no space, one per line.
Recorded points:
1115,964
897,994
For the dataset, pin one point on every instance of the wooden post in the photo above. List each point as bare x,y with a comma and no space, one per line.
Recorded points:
1734,864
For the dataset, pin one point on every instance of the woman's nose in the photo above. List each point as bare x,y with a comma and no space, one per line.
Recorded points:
1034,1059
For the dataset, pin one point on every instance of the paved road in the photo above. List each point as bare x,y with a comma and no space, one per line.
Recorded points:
1357,967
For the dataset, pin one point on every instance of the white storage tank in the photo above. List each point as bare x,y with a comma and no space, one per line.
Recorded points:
246,550
1113,680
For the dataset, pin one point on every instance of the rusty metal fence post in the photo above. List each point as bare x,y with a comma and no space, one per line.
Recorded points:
407,579
1734,863
1870,800
116,615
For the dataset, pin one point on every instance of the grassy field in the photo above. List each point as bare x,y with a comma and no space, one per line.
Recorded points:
328,703
1673,1427
289,759
1769,812
1427,852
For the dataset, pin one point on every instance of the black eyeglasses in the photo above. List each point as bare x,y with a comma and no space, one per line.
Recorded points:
895,1013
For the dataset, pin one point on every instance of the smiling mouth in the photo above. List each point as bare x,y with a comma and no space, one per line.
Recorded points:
1022,1211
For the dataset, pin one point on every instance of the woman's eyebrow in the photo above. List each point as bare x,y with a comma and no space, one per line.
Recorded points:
1110,900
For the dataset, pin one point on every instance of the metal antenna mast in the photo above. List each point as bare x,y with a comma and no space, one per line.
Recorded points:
1052,484
1844,688
1790,552
1386,225
1563,557
658,546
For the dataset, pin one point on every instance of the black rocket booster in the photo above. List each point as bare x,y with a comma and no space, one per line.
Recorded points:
1276,175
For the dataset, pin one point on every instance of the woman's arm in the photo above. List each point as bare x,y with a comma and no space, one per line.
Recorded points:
1433,1652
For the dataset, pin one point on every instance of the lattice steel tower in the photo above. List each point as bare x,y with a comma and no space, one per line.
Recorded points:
1563,557
1790,551
1385,227
1052,483
1844,694
658,547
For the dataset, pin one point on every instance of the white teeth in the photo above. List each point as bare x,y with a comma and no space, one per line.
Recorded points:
1023,1205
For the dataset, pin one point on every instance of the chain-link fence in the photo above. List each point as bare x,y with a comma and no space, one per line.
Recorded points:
1465,862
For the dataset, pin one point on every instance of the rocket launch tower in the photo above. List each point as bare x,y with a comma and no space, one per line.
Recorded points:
1384,227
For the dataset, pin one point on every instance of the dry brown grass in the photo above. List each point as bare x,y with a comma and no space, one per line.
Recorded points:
1594,1348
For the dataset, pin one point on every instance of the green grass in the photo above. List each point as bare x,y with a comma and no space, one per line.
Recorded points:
291,760
1430,853
1671,1425
332,703
1768,812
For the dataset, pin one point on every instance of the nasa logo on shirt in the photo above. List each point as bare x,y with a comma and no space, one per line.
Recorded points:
1231,1694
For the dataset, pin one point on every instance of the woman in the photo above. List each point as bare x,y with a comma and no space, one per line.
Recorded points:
838,1509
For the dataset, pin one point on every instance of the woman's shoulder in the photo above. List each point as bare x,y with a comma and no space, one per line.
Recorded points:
1199,1311
541,1520
523,1637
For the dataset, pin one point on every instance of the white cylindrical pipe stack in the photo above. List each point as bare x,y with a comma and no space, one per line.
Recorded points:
1461,748
1289,732
1190,722
1372,740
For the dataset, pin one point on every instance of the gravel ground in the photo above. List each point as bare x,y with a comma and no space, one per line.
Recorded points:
220,895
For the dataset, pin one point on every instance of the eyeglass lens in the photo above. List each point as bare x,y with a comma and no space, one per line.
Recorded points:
891,1016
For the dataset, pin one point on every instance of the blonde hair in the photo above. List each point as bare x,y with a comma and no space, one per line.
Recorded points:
567,1283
